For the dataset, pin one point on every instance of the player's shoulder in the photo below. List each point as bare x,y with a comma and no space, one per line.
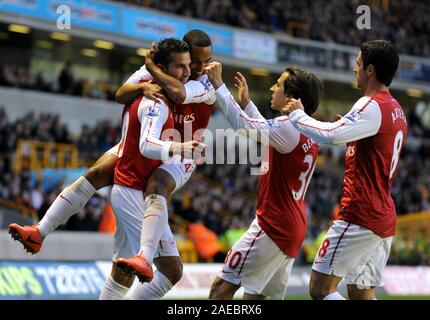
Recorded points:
364,102
152,109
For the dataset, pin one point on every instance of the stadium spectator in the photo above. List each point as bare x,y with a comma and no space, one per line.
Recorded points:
403,22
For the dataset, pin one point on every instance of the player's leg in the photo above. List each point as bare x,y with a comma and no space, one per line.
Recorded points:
355,293
128,207
222,289
248,296
163,182
324,287
117,284
362,284
74,197
346,247
168,273
70,201
156,218
257,264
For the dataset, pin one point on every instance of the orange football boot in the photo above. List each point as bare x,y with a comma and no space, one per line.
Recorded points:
136,265
29,236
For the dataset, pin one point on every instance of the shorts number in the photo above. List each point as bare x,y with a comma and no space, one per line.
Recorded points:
234,260
398,141
187,167
125,122
305,178
323,250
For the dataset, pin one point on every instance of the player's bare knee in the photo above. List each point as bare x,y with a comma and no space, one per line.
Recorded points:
354,293
170,267
122,277
221,290
161,183
99,176
316,291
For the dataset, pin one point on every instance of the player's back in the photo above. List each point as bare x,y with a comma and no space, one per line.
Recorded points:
281,209
132,167
370,167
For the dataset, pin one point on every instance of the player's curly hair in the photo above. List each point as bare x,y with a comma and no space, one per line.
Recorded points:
383,56
165,47
304,85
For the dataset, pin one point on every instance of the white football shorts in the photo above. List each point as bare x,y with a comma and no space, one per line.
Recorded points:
129,206
353,252
180,169
257,264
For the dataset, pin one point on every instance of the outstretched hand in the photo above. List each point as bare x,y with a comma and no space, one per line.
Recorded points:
292,104
243,91
214,72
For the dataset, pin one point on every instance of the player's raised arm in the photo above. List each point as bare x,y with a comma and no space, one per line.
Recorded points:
364,120
245,101
282,135
194,91
139,83
152,117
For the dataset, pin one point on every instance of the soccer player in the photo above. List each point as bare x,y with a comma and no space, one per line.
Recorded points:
145,127
199,96
191,118
358,244
261,260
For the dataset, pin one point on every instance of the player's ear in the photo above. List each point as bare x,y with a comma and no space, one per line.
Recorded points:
370,69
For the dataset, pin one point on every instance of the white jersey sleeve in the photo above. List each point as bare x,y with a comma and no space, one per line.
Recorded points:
282,135
362,121
252,111
139,75
152,117
199,91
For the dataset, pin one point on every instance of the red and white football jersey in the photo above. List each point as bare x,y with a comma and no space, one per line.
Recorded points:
287,171
375,130
141,150
195,112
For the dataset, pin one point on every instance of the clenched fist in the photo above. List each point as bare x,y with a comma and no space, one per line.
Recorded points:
214,72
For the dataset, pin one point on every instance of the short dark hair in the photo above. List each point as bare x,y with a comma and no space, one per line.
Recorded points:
166,47
304,85
197,38
383,56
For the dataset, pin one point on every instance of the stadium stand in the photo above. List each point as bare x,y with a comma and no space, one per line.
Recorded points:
401,21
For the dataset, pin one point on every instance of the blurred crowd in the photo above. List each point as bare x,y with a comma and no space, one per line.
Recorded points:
220,197
404,22
24,189
66,82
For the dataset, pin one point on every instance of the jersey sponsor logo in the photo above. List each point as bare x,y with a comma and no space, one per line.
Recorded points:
152,111
180,118
273,123
353,116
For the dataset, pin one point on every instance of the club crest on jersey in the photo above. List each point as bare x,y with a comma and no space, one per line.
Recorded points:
353,116
152,111
273,123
